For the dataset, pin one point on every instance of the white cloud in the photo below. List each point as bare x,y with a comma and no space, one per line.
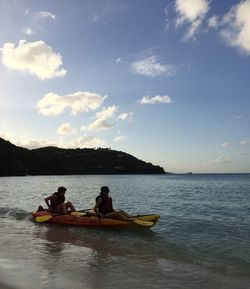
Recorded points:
155,99
66,128
193,12
120,138
149,66
107,112
126,116
6,135
25,141
107,118
225,144
104,119
28,31
213,22
236,31
45,14
100,124
81,101
243,142
37,58
220,159
30,143
119,60
86,141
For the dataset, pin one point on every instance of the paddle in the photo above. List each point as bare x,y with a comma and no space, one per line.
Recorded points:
86,210
79,213
143,223
134,219
44,218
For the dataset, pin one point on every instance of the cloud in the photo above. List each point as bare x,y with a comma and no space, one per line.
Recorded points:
36,58
26,141
6,135
155,99
119,60
107,112
104,119
107,118
149,66
30,143
28,31
221,158
120,138
65,129
126,116
82,101
236,31
105,10
225,144
193,12
45,14
85,141
213,22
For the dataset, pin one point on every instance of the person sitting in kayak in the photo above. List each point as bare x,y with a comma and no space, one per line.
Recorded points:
56,202
104,206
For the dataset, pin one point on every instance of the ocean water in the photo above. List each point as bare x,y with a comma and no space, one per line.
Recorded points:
201,241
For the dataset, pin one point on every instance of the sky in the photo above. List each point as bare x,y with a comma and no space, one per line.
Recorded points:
165,81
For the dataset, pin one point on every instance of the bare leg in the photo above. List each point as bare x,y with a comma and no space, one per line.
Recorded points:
70,206
119,215
125,214
60,209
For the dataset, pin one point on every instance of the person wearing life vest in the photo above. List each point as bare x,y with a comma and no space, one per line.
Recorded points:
56,202
104,206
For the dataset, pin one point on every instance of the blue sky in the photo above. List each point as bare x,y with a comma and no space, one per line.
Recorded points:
165,81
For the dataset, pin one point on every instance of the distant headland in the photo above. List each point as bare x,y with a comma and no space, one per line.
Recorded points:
18,161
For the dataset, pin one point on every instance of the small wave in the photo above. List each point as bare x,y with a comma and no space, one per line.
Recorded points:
230,268
14,213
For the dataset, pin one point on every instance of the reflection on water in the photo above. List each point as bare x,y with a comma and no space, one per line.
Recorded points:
99,240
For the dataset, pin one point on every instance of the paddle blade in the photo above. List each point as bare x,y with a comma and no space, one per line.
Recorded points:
143,223
44,218
79,214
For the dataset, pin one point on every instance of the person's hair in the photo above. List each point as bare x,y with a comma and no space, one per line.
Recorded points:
104,189
61,189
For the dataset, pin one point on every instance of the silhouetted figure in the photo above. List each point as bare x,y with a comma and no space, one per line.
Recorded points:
56,202
104,206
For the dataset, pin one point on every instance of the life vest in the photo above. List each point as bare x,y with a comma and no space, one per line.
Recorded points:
56,200
106,206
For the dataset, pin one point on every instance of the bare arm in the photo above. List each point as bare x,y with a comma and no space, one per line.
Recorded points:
47,201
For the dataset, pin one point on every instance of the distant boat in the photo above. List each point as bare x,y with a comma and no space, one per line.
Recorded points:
189,173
